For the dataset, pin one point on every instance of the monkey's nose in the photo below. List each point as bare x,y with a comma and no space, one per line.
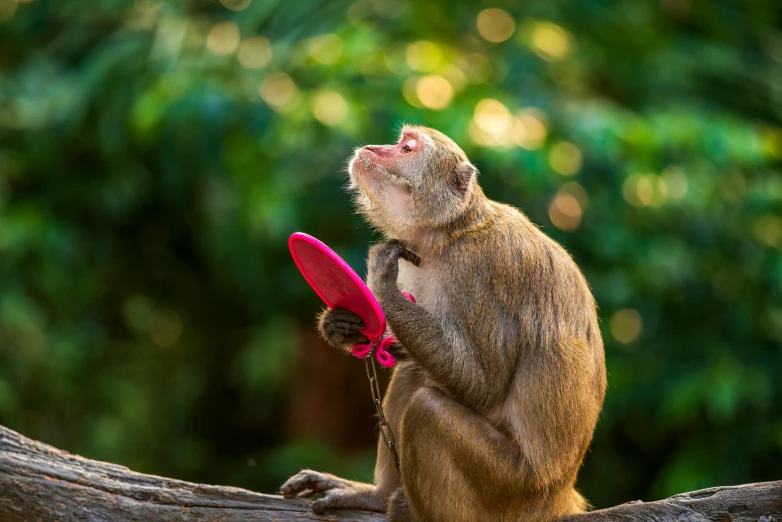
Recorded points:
380,150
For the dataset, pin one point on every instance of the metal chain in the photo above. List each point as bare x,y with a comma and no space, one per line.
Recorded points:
374,386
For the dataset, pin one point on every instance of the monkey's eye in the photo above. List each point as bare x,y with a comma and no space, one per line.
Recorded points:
408,147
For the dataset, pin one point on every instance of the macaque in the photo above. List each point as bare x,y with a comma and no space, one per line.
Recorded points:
502,374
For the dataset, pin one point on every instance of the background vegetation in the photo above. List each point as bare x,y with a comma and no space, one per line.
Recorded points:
155,156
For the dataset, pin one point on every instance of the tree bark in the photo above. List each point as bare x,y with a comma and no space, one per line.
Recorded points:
42,484
760,502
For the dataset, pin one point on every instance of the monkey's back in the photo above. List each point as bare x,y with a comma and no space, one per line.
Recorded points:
527,312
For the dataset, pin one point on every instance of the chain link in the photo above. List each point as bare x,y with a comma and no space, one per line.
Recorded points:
374,386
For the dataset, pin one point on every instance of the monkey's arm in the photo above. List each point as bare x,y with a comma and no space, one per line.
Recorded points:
469,372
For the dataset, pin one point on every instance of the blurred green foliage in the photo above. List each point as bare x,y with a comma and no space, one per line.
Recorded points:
155,155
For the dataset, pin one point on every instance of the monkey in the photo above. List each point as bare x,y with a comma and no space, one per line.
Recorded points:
502,374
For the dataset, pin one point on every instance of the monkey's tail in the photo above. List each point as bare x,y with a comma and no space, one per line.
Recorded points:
578,503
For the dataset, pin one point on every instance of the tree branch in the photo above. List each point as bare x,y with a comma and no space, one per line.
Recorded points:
41,483
760,502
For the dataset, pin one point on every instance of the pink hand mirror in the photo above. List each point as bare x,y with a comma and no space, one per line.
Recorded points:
339,286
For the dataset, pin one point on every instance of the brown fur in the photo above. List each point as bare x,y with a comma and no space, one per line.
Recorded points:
495,405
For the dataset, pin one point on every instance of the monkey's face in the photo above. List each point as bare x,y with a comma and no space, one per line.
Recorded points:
421,181
380,172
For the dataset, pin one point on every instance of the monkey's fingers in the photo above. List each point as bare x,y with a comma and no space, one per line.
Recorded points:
343,327
340,340
307,493
410,257
339,334
307,479
356,338
341,314
406,254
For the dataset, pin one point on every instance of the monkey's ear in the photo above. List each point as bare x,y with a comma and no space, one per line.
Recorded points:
463,175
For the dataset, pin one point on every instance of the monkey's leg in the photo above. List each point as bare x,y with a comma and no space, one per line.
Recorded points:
399,509
405,381
456,466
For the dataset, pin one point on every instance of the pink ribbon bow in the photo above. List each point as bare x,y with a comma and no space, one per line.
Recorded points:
381,353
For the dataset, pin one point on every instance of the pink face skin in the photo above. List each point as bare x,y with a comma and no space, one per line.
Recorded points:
407,145
375,166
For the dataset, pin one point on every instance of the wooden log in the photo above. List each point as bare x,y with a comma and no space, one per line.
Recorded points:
43,484
760,502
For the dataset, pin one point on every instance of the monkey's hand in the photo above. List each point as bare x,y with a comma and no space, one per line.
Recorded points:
384,268
337,492
340,328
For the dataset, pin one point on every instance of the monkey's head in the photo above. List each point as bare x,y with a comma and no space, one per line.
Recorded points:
424,181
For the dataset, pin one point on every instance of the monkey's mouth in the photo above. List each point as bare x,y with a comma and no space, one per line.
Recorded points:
365,158
365,164
359,167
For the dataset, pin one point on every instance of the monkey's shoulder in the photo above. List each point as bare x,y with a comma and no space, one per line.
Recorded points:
512,243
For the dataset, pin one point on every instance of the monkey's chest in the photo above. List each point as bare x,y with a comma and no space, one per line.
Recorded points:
423,283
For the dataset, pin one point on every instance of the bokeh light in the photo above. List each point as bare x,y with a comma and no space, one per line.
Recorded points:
7,9
455,76
564,158
578,191
676,181
491,124
223,38
529,129
423,56
492,116
638,190
409,88
476,66
565,211
768,230
329,107
434,92
495,25
165,328
279,91
326,48
772,141
650,190
550,41
626,325
255,53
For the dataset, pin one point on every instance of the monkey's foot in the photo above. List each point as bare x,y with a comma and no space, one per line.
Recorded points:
337,493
